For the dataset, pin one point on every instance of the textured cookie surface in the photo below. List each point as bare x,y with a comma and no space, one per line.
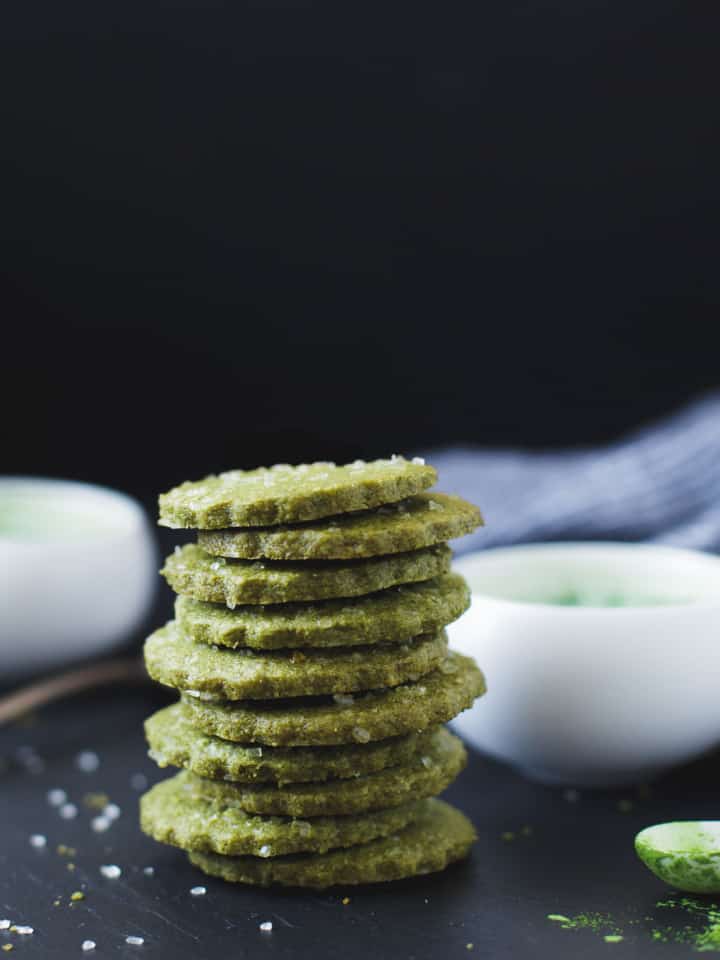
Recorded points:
439,836
412,524
412,707
174,741
424,775
387,616
173,812
291,494
194,573
244,674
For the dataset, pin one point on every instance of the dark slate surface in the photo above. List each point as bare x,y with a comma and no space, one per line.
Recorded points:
577,858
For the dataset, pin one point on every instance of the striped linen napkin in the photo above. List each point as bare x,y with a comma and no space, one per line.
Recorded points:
660,483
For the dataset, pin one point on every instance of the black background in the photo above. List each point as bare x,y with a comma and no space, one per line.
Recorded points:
236,233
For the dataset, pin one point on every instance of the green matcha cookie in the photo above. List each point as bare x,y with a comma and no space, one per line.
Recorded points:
421,521
424,775
194,573
384,617
174,741
244,674
173,812
439,836
299,722
291,494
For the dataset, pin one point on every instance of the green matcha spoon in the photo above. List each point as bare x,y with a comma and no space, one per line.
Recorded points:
684,854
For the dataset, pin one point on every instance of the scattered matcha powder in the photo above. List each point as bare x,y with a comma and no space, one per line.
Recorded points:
702,935
705,940
509,835
595,922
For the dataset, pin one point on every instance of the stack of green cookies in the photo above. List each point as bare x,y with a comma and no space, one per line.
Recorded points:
309,651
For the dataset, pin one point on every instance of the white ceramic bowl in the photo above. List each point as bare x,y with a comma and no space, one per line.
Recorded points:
596,693
77,569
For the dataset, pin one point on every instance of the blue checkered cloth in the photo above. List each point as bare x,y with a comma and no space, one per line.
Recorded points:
660,484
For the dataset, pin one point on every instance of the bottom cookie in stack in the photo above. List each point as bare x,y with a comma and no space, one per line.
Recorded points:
315,791
437,836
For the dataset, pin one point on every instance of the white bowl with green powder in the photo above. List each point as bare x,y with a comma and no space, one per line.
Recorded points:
601,658
77,566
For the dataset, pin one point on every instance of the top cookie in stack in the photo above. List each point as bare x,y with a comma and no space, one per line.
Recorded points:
309,650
